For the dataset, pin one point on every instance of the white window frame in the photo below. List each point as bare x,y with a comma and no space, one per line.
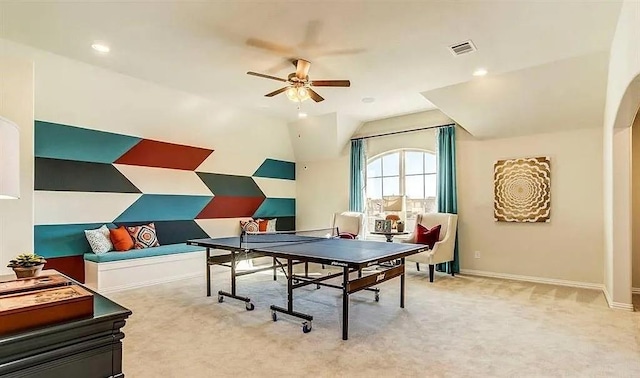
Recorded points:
401,176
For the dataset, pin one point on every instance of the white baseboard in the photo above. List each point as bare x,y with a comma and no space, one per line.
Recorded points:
516,277
553,281
136,285
635,290
617,305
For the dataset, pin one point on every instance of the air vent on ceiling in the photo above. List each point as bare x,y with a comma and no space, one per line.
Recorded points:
462,48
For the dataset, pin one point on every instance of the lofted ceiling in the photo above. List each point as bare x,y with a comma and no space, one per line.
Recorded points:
395,51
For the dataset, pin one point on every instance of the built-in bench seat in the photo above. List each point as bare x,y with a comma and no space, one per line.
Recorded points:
115,271
162,250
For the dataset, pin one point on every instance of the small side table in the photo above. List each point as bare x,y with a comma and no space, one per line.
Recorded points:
390,235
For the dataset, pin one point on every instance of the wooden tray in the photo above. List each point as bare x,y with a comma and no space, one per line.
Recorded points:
34,283
25,310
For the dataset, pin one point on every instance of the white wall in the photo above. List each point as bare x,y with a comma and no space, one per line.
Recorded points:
16,104
623,98
322,188
569,247
635,209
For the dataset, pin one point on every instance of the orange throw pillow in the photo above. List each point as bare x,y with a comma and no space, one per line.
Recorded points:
262,225
121,239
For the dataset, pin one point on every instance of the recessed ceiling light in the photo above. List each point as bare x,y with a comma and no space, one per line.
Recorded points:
302,115
100,47
368,100
480,72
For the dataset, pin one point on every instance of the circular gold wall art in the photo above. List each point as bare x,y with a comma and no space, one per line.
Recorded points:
522,190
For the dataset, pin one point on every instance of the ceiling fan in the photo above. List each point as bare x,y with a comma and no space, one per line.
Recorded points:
299,85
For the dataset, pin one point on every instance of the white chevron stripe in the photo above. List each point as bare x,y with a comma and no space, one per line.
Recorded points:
242,165
80,207
276,188
221,227
152,180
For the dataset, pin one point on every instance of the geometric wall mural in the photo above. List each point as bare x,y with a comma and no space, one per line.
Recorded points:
97,177
522,190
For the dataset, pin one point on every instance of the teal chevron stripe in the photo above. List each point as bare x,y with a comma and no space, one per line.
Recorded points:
276,207
279,169
61,240
162,207
58,141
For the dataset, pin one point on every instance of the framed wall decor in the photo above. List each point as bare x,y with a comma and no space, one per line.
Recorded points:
522,190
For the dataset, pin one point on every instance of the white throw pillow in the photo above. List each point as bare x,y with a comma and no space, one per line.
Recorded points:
99,240
271,225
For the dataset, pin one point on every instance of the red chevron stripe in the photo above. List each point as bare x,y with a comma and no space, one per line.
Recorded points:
151,153
230,207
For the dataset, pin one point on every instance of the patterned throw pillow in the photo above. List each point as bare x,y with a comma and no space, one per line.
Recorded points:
144,236
99,240
249,226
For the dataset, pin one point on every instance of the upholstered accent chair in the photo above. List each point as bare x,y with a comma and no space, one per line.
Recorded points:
349,222
442,251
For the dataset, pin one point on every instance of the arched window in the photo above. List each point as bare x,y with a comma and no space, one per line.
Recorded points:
409,173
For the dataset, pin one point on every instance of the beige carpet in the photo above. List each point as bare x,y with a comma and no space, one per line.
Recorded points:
462,326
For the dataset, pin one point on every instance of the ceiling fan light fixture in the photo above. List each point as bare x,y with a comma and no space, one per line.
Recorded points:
298,94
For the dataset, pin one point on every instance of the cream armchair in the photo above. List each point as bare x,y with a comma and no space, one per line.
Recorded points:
349,221
442,251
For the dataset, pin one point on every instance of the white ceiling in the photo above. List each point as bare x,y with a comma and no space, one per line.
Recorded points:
394,51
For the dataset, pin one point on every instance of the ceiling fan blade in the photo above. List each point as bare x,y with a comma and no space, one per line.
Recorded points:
266,76
270,46
314,95
341,52
311,34
331,83
276,92
302,69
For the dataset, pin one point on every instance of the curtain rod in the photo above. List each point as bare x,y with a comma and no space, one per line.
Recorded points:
403,131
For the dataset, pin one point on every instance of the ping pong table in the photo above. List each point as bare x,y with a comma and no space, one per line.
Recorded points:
352,256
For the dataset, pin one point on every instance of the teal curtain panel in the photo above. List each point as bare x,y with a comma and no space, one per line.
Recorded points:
356,185
447,188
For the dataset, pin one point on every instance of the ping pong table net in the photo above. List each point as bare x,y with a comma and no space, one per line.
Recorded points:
288,237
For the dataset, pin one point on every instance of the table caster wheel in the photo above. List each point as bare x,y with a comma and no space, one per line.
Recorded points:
377,297
306,327
249,306
220,299
274,316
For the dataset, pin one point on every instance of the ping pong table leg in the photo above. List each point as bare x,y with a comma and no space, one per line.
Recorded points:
233,273
306,269
345,303
274,269
221,294
402,283
208,273
306,325
289,285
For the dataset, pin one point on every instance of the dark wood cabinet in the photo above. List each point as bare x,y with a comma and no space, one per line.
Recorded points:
86,348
